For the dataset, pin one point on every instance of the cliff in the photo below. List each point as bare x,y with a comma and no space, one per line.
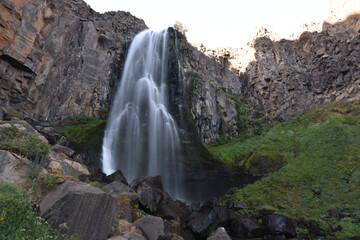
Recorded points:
57,57
286,78
60,58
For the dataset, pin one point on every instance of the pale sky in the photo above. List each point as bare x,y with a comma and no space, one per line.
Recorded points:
223,22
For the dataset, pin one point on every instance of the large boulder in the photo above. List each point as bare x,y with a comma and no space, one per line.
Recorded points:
245,227
280,225
152,227
220,234
149,191
210,216
14,168
80,209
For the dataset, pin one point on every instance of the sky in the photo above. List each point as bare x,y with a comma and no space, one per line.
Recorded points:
222,23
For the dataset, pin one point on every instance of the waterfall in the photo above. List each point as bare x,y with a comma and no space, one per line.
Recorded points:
141,136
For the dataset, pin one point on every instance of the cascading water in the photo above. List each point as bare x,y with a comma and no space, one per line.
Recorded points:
141,137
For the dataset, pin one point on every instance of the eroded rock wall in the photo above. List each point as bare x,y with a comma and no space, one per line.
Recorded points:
287,77
56,57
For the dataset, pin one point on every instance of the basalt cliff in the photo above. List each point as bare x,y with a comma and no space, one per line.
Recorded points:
60,58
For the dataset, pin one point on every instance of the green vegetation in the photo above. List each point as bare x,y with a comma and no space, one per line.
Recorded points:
79,129
180,27
18,218
13,113
23,143
320,155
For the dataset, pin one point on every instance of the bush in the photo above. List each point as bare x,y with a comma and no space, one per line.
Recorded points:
18,219
23,143
180,27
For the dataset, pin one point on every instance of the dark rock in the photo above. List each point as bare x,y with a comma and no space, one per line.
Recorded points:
45,78
62,151
220,234
235,205
280,225
117,189
154,181
48,132
87,212
244,226
117,176
149,196
152,227
95,175
168,209
210,216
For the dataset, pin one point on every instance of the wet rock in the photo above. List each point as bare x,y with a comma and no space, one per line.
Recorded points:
220,234
152,227
280,225
87,211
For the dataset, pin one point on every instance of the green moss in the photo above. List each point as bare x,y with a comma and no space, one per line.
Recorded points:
18,218
23,143
79,129
321,156
13,113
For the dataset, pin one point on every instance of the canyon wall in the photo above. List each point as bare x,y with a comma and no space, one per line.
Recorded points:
57,57
287,77
60,58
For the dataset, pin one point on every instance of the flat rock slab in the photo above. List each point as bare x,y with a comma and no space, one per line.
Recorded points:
79,209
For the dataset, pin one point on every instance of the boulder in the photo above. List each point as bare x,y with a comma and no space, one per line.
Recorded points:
118,188
128,236
151,226
48,132
149,191
244,226
210,216
117,176
154,181
62,151
86,211
168,209
14,168
280,225
66,166
220,234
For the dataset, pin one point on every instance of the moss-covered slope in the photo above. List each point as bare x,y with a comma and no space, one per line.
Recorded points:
311,169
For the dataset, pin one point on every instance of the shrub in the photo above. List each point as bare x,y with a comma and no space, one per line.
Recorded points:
18,219
23,143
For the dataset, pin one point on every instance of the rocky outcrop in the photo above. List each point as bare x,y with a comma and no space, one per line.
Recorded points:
290,77
287,77
14,168
56,57
77,208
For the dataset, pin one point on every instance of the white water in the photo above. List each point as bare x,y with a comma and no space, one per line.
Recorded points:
141,137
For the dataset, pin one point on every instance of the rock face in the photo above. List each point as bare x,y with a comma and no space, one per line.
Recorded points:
56,57
287,77
77,208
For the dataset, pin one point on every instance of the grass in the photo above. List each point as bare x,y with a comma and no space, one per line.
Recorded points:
18,218
23,143
315,161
